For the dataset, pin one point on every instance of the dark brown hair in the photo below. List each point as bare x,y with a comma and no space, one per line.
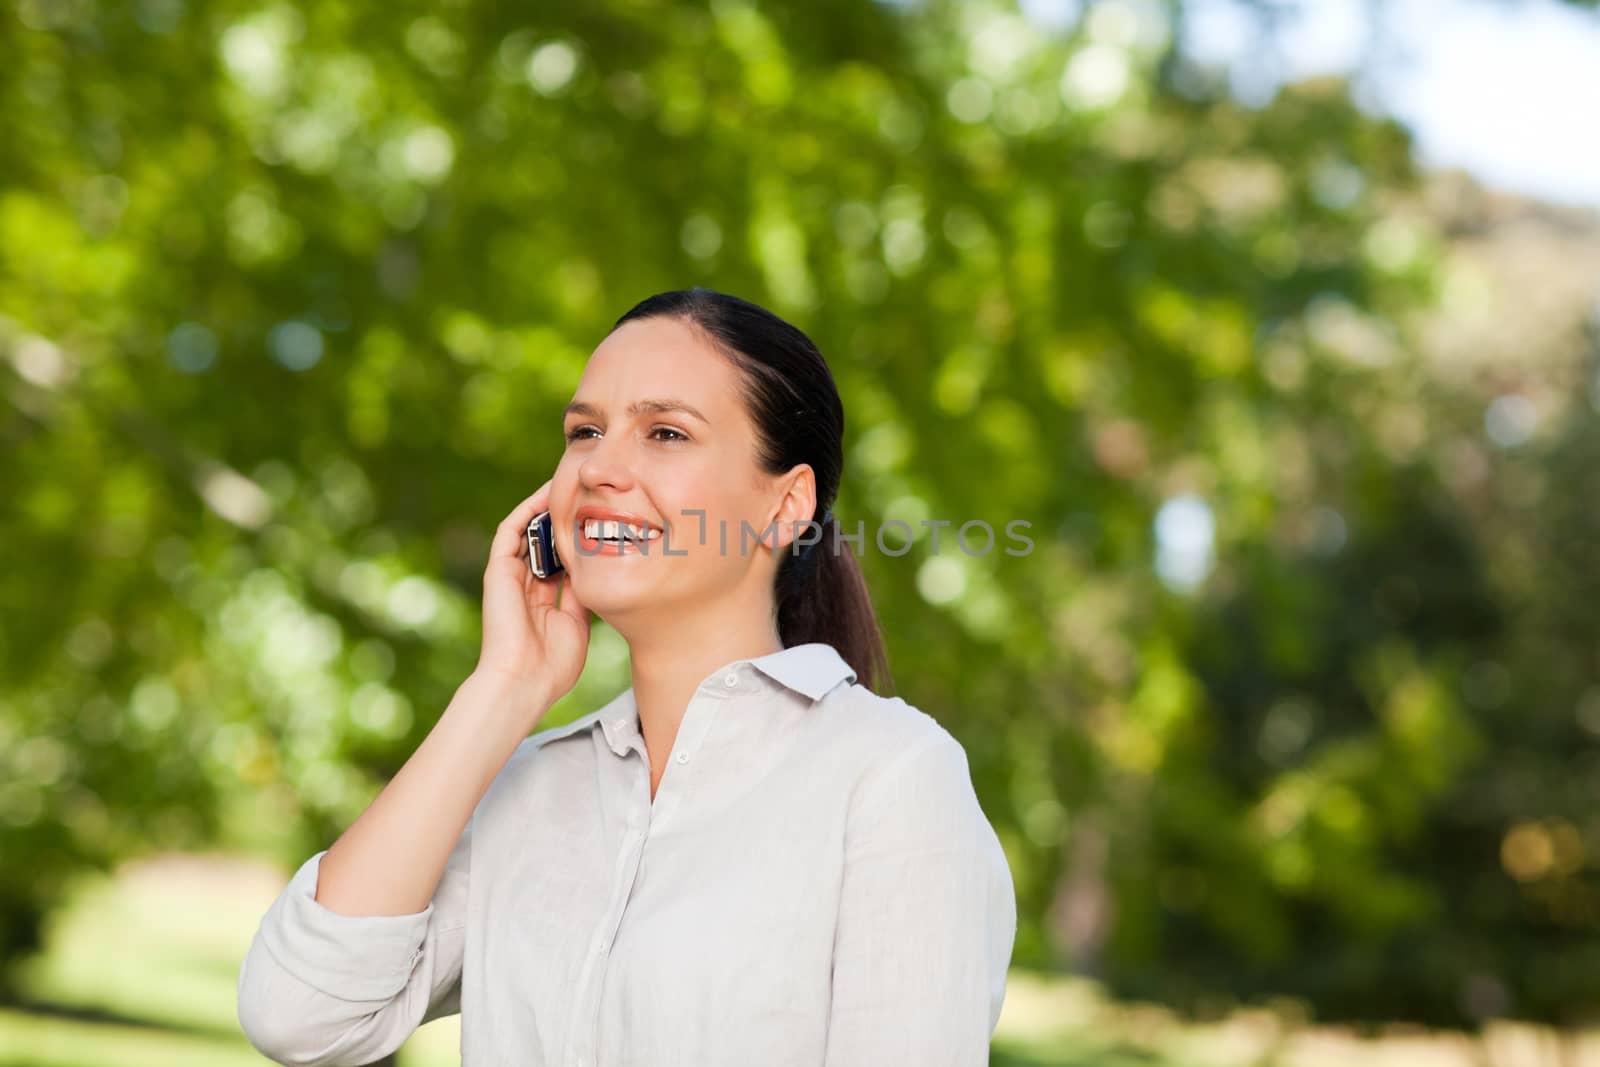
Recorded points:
799,418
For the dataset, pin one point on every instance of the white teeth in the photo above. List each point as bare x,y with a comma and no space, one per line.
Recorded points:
615,530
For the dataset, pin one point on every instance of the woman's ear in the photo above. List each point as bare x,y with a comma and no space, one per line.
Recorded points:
797,505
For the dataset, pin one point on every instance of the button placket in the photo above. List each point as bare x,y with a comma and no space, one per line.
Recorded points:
592,976
625,877
697,723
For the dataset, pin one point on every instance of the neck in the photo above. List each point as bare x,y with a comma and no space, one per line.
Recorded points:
668,661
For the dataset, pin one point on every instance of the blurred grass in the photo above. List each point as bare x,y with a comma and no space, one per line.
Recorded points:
142,969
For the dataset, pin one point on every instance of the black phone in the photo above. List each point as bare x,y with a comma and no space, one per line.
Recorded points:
542,558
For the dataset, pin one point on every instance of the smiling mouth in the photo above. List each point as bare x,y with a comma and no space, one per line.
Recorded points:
611,537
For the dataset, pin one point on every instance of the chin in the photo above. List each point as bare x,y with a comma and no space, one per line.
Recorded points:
617,591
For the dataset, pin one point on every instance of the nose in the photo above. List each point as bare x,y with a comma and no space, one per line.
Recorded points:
606,465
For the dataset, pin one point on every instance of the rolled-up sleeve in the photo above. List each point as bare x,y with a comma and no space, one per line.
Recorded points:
322,989
927,918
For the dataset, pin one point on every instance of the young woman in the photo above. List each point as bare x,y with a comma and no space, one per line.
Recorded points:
749,857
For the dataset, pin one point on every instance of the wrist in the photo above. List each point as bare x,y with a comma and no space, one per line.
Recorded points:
506,695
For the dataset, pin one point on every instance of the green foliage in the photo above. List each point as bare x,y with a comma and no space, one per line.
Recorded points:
292,296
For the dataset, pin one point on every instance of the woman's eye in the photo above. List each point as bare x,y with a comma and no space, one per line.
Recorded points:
584,431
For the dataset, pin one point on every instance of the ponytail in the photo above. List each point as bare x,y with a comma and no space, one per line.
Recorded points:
822,596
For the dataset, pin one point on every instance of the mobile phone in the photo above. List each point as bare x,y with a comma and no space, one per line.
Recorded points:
542,558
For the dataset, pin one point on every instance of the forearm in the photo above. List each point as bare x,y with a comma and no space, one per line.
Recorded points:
390,860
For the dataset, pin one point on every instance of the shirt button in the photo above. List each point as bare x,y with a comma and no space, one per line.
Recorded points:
683,757
730,679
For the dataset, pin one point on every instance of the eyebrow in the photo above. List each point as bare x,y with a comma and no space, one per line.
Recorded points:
654,406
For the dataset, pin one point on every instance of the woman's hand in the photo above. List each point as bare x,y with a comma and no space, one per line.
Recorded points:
526,636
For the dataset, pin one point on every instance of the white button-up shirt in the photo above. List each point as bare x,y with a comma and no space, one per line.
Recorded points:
815,884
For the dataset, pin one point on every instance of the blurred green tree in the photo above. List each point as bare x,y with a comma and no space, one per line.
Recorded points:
293,294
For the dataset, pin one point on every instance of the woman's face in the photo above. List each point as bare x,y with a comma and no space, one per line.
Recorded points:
657,433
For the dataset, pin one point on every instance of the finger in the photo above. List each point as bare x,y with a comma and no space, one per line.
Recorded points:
511,574
511,534
541,592
535,591
515,568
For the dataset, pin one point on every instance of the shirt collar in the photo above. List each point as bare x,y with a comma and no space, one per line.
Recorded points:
812,670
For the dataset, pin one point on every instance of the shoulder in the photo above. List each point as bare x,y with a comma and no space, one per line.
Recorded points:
887,724
911,791
892,741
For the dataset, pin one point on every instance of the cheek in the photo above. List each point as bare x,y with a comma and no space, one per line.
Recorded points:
673,487
563,493
563,483
733,520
